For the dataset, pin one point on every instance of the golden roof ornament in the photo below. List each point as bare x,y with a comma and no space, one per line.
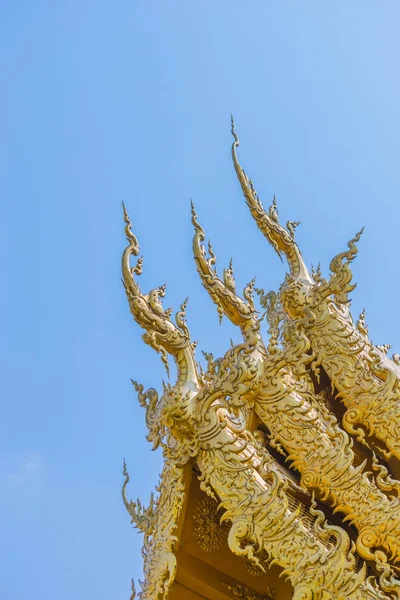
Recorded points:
284,453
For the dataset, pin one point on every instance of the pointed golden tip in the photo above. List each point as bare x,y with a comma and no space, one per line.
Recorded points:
132,249
126,216
198,228
128,223
233,131
357,237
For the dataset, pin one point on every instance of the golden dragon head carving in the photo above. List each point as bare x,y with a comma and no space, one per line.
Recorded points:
281,238
240,312
147,310
170,415
301,290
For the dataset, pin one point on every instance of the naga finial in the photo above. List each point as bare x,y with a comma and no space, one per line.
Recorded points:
223,293
280,238
147,310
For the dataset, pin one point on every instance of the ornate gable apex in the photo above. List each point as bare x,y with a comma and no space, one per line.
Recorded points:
280,447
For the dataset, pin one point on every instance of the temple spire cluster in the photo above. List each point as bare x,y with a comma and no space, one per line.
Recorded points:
282,456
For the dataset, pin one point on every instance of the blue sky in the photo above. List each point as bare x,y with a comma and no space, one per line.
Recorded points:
130,100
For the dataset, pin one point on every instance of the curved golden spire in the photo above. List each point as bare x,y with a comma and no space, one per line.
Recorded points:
147,310
141,517
340,282
223,293
280,238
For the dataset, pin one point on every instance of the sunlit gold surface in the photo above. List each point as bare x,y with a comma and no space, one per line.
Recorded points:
239,423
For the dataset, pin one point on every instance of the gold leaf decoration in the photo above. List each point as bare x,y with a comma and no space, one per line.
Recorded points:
207,530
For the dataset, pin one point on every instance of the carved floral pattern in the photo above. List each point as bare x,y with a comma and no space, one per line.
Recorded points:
207,528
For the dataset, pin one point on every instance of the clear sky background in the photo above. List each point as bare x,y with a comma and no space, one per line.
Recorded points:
104,101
